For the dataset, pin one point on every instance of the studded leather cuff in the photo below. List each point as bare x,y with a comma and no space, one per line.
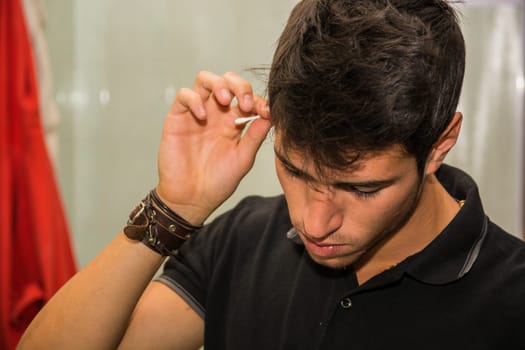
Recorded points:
157,226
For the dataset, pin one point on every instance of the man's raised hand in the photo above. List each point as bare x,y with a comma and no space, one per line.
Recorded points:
203,153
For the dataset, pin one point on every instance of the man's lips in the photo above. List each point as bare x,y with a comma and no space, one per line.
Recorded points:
322,250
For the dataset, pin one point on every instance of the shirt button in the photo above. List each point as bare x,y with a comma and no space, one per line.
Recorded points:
346,303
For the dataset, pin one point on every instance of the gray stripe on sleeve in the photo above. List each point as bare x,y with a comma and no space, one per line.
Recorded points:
183,293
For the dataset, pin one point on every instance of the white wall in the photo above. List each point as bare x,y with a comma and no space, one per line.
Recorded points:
491,143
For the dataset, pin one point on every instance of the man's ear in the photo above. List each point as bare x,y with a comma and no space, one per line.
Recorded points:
446,141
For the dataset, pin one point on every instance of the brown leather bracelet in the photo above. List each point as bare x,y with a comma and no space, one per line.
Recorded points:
157,226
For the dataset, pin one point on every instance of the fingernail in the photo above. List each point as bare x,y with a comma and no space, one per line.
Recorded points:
225,93
247,99
200,112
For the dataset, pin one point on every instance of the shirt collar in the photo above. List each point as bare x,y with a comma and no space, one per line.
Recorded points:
454,251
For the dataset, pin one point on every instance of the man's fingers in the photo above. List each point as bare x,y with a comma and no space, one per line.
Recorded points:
223,89
253,138
189,100
262,107
242,90
207,83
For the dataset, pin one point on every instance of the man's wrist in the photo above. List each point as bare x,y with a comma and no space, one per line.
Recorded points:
190,213
158,226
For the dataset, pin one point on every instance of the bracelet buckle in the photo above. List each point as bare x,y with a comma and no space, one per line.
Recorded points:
157,226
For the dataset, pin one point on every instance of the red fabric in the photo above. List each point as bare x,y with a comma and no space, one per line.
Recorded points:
35,251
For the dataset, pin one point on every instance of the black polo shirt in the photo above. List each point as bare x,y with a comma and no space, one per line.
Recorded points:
258,289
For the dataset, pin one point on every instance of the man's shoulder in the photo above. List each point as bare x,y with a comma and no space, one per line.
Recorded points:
253,219
258,211
261,204
504,244
503,258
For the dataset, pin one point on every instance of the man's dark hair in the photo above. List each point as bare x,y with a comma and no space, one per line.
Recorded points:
354,77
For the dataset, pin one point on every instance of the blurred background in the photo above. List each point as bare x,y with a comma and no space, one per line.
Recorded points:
117,64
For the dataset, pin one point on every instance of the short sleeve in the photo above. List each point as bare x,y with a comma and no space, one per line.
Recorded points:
208,259
187,272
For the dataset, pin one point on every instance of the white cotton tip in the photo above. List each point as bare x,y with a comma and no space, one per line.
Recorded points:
244,120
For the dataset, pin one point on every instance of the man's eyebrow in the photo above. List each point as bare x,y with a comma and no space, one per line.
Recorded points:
371,184
287,164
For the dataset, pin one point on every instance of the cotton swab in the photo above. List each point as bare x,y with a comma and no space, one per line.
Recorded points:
244,120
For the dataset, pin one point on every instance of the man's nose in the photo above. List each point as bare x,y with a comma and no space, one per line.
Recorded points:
322,216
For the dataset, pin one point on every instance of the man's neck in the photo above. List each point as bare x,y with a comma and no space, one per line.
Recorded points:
434,211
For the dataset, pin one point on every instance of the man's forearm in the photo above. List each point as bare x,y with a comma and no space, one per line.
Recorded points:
93,309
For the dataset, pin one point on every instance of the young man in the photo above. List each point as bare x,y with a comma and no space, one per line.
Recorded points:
375,244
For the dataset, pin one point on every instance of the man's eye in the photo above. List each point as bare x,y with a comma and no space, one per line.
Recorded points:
362,194
365,194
